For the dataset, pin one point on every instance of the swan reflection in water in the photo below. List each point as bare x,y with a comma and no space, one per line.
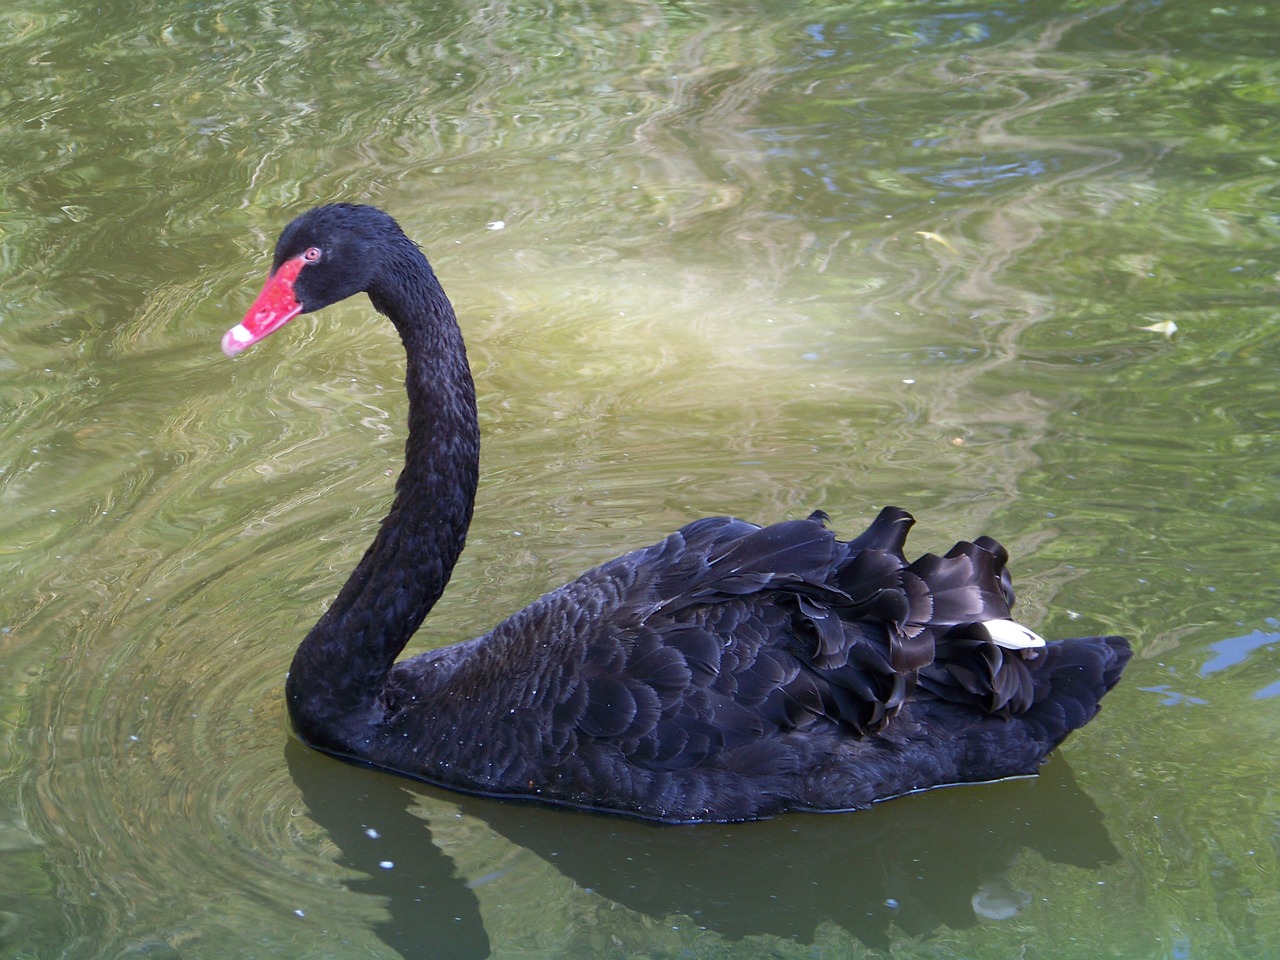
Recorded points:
938,859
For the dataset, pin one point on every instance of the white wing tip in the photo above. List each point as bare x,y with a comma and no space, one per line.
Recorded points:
1012,635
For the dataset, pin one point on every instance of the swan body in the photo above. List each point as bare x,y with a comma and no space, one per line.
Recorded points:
728,672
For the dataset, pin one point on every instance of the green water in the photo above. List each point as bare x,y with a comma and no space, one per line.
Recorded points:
748,258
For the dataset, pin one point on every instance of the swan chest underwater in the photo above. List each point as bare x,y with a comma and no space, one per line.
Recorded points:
728,672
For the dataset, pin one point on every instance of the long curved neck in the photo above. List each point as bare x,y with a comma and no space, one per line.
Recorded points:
341,667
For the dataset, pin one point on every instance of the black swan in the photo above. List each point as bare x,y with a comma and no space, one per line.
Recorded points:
729,672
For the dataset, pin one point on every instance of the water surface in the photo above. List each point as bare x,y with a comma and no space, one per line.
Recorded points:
1011,266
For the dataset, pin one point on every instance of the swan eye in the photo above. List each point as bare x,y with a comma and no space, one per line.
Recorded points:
311,254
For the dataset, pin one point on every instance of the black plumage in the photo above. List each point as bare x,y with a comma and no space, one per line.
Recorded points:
727,672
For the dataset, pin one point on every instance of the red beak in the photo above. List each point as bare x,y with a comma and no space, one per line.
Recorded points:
276,305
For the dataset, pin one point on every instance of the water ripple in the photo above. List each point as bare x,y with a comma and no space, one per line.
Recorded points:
751,262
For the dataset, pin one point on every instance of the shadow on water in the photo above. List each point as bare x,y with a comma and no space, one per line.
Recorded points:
434,913
916,864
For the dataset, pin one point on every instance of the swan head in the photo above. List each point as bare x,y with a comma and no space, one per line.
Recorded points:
325,255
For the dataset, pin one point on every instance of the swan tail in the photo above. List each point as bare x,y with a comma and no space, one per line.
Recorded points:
1070,686
1000,668
951,636
1064,683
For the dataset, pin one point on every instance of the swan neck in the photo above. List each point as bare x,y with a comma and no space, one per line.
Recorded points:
340,670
